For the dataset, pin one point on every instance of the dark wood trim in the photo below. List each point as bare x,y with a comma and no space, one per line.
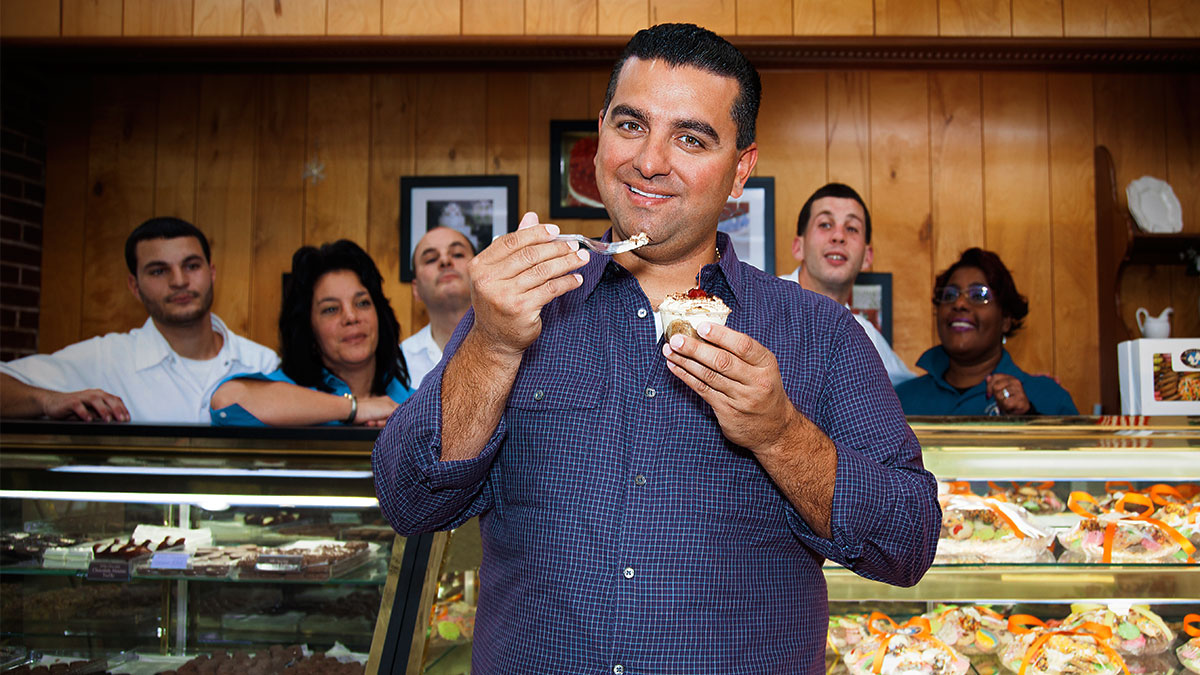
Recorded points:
376,52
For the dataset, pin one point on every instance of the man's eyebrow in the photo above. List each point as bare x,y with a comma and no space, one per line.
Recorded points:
699,127
624,110
827,212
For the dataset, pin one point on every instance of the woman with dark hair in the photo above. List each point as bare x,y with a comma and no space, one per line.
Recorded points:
971,373
340,344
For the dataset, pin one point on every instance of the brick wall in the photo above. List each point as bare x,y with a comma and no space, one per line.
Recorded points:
22,196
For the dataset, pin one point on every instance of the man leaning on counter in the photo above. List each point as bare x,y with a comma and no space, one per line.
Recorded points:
650,505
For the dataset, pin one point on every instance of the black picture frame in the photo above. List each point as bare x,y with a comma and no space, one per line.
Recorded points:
573,142
749,221
872,298
481,207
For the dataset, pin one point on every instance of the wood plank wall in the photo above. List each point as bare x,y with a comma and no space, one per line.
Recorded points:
958,18
946,160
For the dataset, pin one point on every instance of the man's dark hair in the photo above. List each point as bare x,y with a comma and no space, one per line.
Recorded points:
841,191
162,228
1012,304
299,352
685,44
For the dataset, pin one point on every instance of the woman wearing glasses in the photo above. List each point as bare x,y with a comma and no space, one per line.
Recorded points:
970,372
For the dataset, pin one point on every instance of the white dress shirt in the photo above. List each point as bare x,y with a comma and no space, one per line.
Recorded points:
896,369
154,382
421,354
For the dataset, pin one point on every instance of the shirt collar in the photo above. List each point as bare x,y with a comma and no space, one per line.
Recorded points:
152,348
935,361
723,279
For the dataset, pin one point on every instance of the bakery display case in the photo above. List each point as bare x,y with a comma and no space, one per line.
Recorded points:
1098,456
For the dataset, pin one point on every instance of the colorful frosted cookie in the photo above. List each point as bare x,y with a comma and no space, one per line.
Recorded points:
905,650
1037,498
969,629
1136,631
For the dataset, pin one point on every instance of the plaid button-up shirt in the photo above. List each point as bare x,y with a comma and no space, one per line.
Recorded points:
621,532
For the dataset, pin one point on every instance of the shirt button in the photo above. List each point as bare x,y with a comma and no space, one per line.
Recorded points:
618,669
650,393
628,573
640,480
641,312
222,414
538,395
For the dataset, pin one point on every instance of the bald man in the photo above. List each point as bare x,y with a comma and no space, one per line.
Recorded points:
442,283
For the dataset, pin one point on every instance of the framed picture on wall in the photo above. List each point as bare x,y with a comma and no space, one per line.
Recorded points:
749,221
573,191
872,298
480,207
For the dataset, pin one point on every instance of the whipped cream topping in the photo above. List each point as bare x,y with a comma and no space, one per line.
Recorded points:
680,303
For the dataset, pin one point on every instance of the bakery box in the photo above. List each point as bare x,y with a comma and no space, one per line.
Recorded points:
1160,377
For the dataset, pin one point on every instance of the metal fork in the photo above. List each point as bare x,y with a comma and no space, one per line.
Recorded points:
603,247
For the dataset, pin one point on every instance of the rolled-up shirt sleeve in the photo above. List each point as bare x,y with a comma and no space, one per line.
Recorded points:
417,491
885,517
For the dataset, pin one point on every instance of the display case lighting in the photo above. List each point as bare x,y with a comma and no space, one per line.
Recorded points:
216,500
211,471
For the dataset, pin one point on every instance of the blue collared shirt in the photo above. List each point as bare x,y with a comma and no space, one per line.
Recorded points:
620,528
237,416
930,394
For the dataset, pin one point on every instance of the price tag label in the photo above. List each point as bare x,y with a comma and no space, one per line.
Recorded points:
169,560
109,570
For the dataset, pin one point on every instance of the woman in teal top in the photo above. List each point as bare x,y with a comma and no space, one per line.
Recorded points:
971,373
340,346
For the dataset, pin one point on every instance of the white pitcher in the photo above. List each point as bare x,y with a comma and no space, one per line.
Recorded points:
1154,326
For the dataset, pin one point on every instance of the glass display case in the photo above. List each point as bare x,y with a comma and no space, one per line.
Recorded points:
1086,454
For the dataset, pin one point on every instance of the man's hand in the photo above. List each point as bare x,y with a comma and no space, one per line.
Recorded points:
88,405
515,277
1009,394
740,379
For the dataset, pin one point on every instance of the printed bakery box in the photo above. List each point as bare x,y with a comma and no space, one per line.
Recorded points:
1160,377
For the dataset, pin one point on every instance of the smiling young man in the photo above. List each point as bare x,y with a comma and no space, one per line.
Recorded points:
832,245
164,371
442,281
635,494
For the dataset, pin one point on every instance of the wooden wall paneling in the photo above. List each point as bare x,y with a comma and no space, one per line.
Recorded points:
157,17
791,149
225,189
1174,18
91,17
900,205
848,153
353,17
284,17
1037,18
64,218
217,17
339,147
1183,173
1073,237
764,17
278,198
175,156
1016,199
450,129
833,17
421,17
622,17
30,18
507,150
719,16
956,160
560,17
1106,18
493,17
555,96
394,105
906,17
120,197
974,18
596,88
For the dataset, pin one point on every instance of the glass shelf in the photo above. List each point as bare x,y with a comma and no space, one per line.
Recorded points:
373,573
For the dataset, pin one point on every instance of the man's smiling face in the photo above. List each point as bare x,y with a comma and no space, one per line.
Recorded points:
667,159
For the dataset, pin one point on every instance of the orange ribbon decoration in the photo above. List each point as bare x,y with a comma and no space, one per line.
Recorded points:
1188,490
1020,624
1112,486
1110,527
1159,495
918,622
1191,625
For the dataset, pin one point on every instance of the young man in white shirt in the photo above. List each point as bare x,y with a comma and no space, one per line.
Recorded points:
832,245
442,282
163,372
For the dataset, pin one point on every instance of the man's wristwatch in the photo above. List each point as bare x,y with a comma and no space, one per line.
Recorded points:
353,408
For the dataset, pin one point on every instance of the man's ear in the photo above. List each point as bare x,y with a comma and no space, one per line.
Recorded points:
133,287
798,249
868,258
745,166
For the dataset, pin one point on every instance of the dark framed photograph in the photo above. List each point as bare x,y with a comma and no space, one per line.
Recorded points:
872,298
481,207
749,221
573,191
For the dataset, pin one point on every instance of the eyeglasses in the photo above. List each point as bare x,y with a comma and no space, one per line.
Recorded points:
977,294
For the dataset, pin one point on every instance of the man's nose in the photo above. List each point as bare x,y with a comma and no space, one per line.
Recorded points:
838,233
651,159
177,277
